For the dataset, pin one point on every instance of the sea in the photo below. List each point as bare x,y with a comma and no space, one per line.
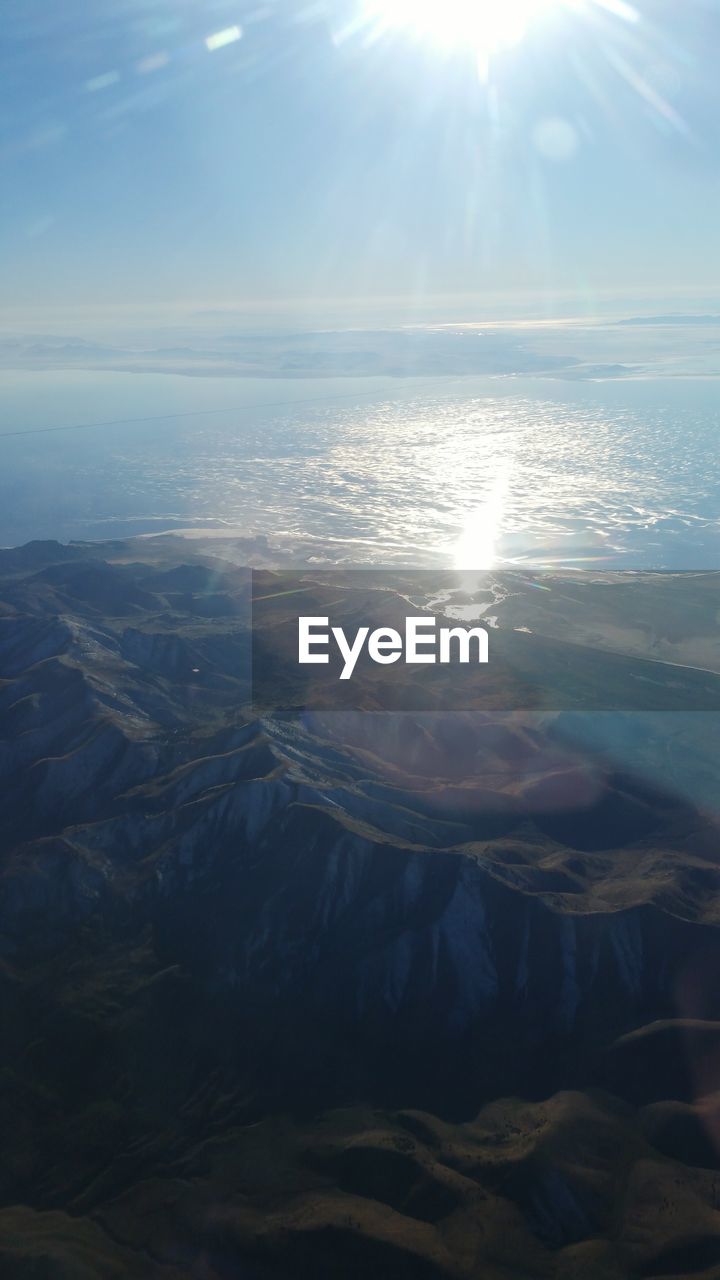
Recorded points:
461,472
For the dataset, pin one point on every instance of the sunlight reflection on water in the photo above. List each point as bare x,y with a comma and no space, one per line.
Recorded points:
622,476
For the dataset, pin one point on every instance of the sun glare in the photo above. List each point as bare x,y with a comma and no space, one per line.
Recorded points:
483,26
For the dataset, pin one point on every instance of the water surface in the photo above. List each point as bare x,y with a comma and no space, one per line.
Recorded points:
461,471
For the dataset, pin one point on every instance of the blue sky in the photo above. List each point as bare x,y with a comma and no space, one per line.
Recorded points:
307,160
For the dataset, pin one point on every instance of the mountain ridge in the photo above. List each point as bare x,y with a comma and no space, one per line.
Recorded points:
224,937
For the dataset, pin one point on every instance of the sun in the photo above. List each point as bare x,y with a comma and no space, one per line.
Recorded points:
482,26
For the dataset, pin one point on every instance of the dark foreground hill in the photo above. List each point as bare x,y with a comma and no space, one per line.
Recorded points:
340,995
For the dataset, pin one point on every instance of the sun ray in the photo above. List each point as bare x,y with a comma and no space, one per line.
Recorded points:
482,27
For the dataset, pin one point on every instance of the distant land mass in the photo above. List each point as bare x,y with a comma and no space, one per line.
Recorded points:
585,348
302,996
673,319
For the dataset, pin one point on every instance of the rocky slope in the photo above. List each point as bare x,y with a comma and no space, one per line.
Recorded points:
343,994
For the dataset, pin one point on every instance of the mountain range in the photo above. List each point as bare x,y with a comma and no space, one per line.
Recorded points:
340,993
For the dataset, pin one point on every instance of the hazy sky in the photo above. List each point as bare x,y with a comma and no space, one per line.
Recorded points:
309,153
